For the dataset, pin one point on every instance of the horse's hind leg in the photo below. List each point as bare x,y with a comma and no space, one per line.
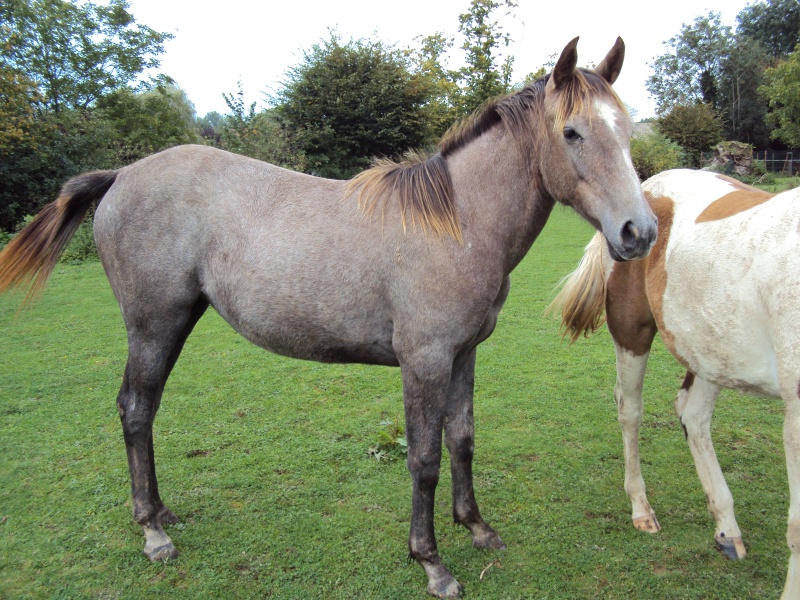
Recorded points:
628,398
790,391
153,349
695,406
460,439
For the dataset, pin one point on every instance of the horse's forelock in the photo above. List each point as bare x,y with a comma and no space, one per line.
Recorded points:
577,95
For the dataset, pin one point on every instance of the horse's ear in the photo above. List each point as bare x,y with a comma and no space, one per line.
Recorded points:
565,66
611,65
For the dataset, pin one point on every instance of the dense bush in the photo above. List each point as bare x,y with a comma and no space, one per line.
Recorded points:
653,153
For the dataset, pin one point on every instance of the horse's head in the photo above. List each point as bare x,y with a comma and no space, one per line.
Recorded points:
587,162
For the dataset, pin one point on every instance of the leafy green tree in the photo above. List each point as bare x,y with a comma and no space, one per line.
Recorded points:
69,54
742,108
696,128
782,90
653,152
76,52
438,84
690,71
348,102
139,124
775,24
255,134
487,73
18,96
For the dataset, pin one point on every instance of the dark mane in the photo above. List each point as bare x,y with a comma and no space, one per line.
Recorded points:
423,183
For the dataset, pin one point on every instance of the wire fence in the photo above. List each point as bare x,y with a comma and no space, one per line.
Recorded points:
785,162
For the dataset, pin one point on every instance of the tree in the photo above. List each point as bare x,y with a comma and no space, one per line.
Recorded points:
775,24
696,128
68,55
782,89
139,124
690,72
349,102
255,134
742,108
76,52
486,75
439,85
18,96
653,152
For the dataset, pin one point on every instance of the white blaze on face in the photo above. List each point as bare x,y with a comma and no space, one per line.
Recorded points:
612,116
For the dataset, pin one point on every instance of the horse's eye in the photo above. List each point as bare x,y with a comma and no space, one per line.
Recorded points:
571,135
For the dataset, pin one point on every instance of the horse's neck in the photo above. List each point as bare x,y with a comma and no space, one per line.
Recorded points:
498,195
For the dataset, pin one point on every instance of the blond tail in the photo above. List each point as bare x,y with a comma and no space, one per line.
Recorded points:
29,258
582,299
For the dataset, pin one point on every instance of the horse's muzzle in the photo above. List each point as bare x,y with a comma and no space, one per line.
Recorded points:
635,241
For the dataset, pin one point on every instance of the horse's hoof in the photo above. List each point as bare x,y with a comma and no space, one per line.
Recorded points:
161,553
733,548
450,589
647,523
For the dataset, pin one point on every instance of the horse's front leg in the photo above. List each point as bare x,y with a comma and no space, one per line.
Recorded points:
459,430
425,400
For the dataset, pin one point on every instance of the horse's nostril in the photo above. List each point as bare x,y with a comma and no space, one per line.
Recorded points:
629,234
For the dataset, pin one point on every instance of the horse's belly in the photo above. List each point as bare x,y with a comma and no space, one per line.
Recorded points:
722,307
305,344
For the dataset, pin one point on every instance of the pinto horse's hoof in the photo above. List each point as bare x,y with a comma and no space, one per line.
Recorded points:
733,548
648,523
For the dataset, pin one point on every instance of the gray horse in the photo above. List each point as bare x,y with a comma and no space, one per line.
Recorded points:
406,265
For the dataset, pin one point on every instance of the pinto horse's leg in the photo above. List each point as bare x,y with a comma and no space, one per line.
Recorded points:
790,391
628,398
695,406
153,349
459,431
425,401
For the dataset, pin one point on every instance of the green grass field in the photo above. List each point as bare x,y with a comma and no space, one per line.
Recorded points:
265,461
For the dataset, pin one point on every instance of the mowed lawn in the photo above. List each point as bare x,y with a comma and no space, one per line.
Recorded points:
265,461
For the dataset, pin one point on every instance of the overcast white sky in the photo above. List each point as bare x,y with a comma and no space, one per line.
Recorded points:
217,44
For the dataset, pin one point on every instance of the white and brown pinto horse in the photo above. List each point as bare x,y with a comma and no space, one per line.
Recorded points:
295,266
722,286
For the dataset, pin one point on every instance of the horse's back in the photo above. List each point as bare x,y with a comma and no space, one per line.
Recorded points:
732,269
261,243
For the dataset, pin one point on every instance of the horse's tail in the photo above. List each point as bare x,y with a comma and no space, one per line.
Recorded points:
582,298
29,258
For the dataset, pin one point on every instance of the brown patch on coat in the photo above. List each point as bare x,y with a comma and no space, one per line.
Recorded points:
656,277
628,315
742,199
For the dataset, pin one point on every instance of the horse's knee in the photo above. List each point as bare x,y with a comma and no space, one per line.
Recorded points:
424,471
